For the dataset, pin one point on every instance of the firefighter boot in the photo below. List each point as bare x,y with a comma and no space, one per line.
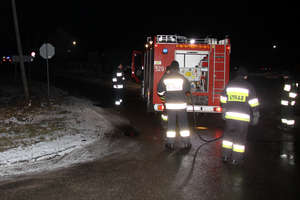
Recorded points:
186,142
170,146
170,143
282,127
226,155
237,158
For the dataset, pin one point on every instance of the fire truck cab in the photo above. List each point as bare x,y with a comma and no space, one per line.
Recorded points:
204,62
137,66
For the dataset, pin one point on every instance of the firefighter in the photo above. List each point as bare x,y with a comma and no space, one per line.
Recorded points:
288,101
118,82
164,115
240,107
174,87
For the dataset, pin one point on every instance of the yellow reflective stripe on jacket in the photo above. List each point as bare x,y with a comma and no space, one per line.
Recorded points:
171,134
184,133
292,95
223,99
174,84
227,144
238,148
238,91
287,87
164,117
237,94
237,116
284,102
253,102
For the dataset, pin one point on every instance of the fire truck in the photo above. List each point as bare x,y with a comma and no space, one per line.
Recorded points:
204,62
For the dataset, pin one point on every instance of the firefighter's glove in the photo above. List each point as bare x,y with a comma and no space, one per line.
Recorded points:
189,98
223,113
255,118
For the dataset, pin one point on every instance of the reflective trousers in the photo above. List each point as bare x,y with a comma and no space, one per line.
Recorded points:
234,139
287,116
177,116
118,96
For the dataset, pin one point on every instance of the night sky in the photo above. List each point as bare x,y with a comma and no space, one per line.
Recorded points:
253,27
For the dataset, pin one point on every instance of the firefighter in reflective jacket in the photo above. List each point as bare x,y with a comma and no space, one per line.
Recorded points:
240,107
118,82
174,87
288,101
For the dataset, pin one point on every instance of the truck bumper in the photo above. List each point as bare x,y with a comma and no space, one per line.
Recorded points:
195,108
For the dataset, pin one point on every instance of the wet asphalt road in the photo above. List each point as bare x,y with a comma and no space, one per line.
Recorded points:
151,172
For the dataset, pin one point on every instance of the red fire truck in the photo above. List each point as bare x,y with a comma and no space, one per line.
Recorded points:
204,62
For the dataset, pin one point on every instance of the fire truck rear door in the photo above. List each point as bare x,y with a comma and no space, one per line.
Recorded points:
190,63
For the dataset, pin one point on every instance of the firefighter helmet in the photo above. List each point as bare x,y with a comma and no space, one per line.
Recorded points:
242,71
286,74
174,66
120,66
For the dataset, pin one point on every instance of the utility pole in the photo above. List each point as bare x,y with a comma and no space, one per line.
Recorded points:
19,44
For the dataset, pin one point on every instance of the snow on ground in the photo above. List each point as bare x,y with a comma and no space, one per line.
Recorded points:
47,135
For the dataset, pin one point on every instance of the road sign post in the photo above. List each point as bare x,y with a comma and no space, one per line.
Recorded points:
47,51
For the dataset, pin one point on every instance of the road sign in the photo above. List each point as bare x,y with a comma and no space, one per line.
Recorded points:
47,51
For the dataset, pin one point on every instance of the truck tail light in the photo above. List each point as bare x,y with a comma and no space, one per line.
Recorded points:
218,109
160,107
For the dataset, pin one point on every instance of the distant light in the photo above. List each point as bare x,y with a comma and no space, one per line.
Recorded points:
74,43
33,54
283,156
165,51
150,42
146,45
201,127
192,41
274,46
8,57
